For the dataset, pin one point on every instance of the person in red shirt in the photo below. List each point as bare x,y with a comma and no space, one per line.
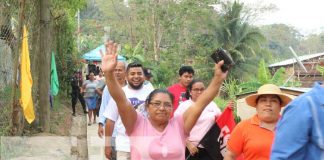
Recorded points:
178,90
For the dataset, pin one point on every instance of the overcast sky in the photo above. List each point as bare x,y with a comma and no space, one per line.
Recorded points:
306,15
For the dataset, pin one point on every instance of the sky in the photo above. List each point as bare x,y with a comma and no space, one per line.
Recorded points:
307,16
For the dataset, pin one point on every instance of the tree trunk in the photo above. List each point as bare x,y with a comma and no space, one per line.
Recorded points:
44,65
34,56
157,34
17,119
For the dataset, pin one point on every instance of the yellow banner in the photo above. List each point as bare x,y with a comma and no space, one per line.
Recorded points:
26,80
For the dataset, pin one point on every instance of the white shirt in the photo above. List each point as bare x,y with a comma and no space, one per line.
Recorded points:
104,102
204,122
136,97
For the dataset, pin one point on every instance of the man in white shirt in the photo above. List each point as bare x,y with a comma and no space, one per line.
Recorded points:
137,93
120,73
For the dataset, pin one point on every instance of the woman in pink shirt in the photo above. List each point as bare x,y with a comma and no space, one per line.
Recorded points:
158,136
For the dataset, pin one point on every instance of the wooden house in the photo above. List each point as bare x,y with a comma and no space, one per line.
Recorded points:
294,70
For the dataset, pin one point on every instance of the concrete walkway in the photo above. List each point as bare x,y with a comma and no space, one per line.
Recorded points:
47,146
36,148
96,150
78,146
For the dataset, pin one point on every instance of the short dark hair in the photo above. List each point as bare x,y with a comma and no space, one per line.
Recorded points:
148,72
133,65
184,69
156,91
189,88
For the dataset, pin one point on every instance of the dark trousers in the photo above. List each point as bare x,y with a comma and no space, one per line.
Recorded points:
98,106
75,96
201,155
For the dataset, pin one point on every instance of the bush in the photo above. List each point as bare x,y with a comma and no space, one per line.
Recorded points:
5,110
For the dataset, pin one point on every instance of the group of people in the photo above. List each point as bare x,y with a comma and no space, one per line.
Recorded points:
297,134
88,92
140,122
144,118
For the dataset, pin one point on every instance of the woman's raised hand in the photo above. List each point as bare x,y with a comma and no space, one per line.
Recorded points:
218,71
109,58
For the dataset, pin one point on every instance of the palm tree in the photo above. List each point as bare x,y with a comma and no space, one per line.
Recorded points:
235,34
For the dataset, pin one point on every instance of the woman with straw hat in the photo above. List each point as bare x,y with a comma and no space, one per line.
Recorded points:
253,137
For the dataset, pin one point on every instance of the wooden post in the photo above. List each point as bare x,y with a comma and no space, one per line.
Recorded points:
44,65
17,126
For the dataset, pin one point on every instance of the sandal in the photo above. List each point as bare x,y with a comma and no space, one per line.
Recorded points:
89,124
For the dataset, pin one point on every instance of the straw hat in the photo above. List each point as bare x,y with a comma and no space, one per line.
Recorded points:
268,89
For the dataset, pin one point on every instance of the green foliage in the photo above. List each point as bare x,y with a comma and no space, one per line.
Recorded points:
65,46
168,30
320,69
237,36
250,86
5,110
313,43
264,75
231,88
135,54
278,77
221,103
279,37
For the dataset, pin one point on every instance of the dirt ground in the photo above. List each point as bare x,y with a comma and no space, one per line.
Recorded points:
62,142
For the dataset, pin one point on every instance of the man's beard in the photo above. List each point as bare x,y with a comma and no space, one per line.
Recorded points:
136,87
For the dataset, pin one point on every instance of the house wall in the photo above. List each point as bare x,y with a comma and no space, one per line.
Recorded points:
312,75
308,78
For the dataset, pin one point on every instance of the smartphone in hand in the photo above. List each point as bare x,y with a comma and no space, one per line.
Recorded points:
221,54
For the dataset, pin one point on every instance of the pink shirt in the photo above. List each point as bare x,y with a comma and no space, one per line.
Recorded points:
147,143
204,122
176,90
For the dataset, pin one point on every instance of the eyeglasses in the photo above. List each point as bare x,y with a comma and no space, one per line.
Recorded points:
157,105
198,89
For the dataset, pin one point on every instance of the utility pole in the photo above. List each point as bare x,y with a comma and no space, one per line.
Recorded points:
107,32
44,65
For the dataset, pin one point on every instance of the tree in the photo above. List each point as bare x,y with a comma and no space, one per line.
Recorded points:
313,43
279,38
235,34
44,62
264,77
243,41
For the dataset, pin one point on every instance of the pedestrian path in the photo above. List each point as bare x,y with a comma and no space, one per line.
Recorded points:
39,147
95,144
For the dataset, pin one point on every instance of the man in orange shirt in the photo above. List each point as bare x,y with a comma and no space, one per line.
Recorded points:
254,137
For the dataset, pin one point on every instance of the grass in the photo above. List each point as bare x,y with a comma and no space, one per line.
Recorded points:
60,116
5,110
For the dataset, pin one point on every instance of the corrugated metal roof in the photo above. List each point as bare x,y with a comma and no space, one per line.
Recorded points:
303,90
293,60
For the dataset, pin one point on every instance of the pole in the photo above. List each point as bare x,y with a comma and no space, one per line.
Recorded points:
44,64
78,40
16,117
